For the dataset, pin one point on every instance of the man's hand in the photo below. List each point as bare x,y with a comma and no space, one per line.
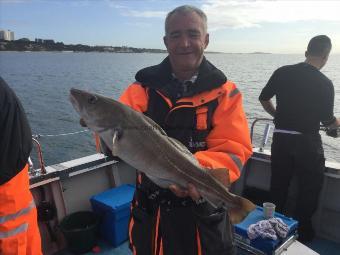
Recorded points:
82,122
332,130
335,124
190,191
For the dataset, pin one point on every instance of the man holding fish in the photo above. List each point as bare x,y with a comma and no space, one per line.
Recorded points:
188,150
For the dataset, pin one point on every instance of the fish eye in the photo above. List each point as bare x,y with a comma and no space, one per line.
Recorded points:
92,99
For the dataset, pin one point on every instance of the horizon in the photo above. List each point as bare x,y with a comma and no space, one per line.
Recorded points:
276,27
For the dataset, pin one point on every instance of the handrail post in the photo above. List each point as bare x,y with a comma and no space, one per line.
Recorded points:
40,156
265,136
253,125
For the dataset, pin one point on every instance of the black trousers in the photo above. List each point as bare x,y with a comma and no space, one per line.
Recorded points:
303,156
177,229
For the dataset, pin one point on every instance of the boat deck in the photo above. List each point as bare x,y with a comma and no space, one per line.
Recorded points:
321,246
104,249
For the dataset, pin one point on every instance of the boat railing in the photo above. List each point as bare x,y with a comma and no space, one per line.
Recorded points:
269,125
266,132
33,171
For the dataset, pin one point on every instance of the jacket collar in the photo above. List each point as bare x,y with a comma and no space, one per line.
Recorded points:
160,76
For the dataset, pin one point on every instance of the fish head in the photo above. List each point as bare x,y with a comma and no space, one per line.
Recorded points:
100,114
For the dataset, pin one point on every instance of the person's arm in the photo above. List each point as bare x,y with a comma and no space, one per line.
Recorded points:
327,110
335,124
268,107
229,144
267,93
327,107
332,128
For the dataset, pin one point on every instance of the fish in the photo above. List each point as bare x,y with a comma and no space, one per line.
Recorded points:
142,143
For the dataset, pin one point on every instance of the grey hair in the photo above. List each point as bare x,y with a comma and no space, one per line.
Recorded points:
185,9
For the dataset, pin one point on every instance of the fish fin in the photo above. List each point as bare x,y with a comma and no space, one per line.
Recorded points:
221,175
236,214
117,134
153,124
239,213
180,146
115,137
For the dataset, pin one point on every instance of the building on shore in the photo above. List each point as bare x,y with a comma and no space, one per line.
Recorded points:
6,35
46,41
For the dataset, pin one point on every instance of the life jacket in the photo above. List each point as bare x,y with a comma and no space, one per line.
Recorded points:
159,217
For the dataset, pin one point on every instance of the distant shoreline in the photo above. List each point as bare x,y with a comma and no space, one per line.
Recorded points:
51,46
25,45
165,52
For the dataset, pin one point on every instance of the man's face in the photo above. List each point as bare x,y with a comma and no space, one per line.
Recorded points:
185,41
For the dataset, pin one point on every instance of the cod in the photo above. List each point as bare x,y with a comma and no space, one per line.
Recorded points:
143,144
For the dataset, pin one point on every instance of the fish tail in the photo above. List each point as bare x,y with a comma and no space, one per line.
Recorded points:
238,213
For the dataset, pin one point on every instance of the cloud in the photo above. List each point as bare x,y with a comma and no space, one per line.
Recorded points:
139,24
144,14
126,10
242,14
16,22
14,1
245,13
115,4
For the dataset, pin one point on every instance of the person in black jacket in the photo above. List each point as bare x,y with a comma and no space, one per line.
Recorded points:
19,232
305,97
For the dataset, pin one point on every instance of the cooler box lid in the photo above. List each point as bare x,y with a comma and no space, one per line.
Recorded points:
116,199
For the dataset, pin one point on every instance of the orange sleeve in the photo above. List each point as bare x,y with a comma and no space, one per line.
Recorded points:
136,97
229,144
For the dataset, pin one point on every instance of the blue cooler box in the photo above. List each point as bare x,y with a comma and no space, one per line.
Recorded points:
260,245
113,208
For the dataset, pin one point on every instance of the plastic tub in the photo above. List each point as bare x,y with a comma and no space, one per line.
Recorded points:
80,231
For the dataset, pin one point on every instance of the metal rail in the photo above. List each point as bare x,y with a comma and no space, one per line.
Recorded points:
253,125
40,157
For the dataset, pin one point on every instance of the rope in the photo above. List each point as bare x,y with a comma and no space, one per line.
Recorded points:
62,134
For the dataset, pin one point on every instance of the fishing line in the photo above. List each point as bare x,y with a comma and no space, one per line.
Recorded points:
62,134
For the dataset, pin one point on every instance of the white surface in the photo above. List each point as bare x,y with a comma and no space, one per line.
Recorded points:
297,248
83,160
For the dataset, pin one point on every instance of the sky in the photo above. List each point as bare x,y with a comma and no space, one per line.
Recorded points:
234,26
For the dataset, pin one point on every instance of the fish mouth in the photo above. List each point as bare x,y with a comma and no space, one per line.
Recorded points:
73,99
75,92
74,102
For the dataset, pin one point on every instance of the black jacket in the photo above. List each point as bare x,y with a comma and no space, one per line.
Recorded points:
15,134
